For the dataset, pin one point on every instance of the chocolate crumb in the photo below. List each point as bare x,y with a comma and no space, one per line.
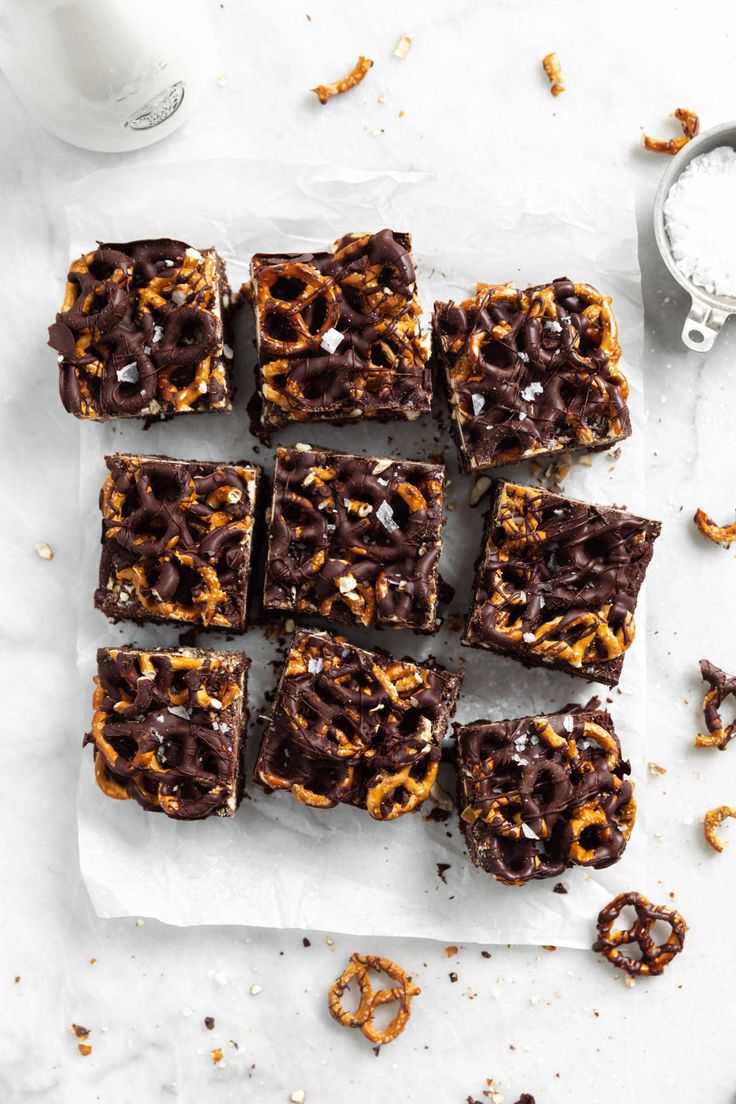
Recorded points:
209,1023
452,976
306,942
80,1032
559,888
441,869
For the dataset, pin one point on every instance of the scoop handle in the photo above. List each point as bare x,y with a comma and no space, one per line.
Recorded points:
702,326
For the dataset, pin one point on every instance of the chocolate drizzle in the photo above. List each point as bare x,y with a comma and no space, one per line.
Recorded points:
176,541
540,794
558,581
355,727
168,728
354,538
140,331
531,372
339,333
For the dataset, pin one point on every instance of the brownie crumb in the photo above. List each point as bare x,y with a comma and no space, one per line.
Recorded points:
452,976
306,942
209,1023
442,868
559,888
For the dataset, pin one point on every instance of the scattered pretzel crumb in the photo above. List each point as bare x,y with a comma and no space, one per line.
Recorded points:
44,551
451,950
553,68
655,769
403,46
298,1096
719,534
80,1032
325,91
364,1016
712,819
690,124
84,1049
216,1055
480,488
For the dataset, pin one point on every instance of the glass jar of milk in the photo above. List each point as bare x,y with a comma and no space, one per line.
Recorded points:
107,74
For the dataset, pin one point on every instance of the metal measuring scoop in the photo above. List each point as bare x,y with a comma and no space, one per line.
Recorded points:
707,312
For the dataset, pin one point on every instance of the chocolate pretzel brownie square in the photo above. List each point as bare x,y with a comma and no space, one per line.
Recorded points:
540,794
339,333
176,541
557,582
169,728
531,373
355,538
143,332
355,727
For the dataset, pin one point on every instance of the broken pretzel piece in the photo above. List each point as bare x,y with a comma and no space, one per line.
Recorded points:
719,534
325,91
712,819
370,999
553,68
690,124
722,686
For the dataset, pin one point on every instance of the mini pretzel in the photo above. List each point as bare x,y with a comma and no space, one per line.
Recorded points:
719,534
370,999
690,124
292,310
553,68
654,957
722,686
344,84
711,821
386,786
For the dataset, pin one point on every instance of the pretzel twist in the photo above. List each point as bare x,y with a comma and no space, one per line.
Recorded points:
654,957
370,1000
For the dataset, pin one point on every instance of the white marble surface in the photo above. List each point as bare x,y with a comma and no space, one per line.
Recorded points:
474,102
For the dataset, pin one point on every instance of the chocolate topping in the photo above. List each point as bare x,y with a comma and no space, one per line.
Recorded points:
531,372
176,540
140,331
355,538
355,727
339,333
168,728
558,581
541,794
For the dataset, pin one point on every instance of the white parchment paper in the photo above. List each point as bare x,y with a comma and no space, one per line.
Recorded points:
278,863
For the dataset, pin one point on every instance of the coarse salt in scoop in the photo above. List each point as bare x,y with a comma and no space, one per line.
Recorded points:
700,219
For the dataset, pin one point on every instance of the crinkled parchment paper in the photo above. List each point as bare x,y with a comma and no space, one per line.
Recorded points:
277,863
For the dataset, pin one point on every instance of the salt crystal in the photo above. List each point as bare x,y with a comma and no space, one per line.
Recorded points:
568,723
528,638
178,297
179,711
385,515
529,832
315,665
128,373
158,333
529,393
700,218
332,340
478,403
553,325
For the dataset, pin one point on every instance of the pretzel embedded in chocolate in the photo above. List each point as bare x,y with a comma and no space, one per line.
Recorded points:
543,793
558,580
654,956
176,540
722,686
690,124
531,373
355,727
140,332
168,729
339,333
402,992
355,538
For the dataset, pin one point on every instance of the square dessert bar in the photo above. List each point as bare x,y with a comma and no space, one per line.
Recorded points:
169,729
355,538
176,541
540,794
140,332
339,334
557,582
355,727
531,373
